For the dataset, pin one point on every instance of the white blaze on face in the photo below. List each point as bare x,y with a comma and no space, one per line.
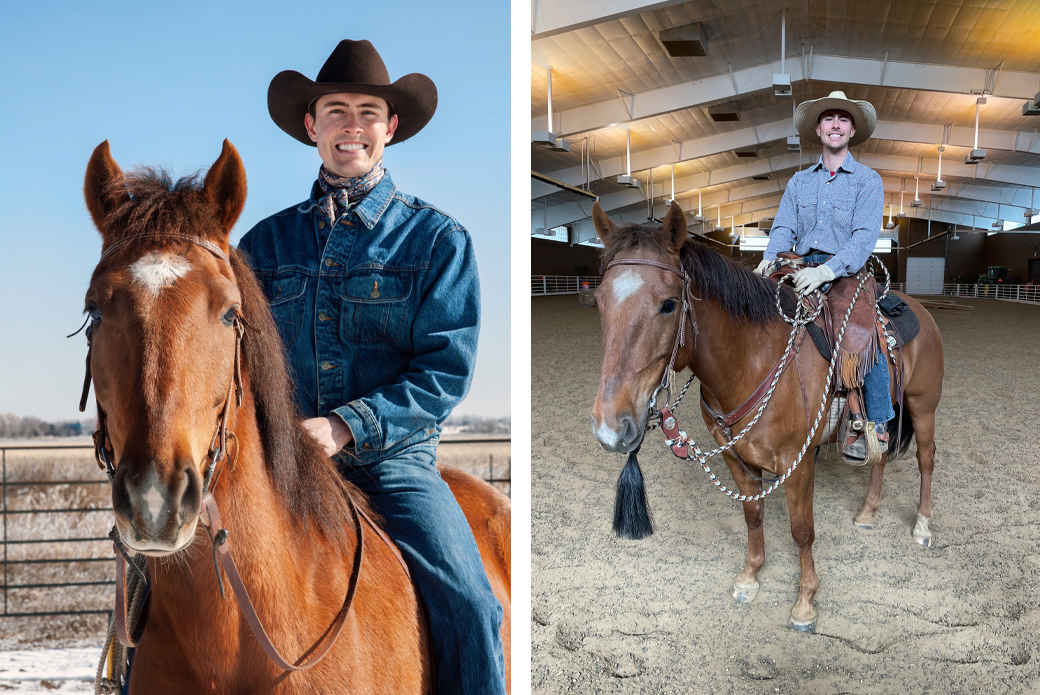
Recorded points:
155,270
626,284
154,500
606,435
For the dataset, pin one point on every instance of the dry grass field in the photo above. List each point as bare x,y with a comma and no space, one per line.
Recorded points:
35,564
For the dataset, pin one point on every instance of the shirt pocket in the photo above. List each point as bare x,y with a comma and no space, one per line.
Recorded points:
285,295
374,305
843,210
807,216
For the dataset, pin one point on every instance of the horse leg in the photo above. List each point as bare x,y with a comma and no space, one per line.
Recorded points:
745,586
924,434
799,490
865,518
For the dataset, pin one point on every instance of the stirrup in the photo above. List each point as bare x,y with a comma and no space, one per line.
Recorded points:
867,448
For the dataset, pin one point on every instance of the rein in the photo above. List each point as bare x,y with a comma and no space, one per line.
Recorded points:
209,515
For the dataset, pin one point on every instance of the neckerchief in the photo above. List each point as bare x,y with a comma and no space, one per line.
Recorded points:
343,192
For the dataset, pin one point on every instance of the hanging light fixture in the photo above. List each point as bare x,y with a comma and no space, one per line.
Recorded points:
699,217
976,155
626,178
718,225
939,183
546,137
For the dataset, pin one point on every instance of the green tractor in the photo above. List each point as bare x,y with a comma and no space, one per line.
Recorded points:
994,275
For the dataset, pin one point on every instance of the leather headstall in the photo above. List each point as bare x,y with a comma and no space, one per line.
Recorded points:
688,298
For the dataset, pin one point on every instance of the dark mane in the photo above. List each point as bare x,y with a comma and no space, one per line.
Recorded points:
740,292
304,477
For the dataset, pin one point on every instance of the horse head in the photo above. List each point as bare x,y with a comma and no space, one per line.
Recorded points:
164,307
640,309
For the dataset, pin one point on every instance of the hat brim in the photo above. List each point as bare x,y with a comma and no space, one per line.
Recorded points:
807,115
414,98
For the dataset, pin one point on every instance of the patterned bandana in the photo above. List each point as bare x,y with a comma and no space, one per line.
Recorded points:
342,192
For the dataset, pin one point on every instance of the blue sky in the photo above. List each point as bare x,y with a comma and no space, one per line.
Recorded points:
165,83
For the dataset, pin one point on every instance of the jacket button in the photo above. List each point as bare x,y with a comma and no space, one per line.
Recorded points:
323,317
328,262
326,365
366,445
321,224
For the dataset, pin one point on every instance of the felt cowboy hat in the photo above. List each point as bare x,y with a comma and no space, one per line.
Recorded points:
353,68
864,117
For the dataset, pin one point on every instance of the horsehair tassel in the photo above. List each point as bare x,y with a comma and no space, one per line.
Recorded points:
631,514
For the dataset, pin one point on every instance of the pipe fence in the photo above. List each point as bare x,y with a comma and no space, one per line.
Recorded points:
56,512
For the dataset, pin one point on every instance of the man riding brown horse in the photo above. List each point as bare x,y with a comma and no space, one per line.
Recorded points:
831,215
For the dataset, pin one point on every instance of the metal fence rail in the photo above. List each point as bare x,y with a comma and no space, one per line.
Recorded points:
47,559
543,285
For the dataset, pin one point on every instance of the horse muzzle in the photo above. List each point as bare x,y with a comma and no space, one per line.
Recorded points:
156,517
623,437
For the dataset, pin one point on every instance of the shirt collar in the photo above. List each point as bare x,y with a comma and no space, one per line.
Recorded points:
848,164
372,206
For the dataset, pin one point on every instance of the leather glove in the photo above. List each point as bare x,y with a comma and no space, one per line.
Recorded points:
808,279
761,269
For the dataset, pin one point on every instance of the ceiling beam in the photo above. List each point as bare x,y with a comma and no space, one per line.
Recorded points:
552,17
841,69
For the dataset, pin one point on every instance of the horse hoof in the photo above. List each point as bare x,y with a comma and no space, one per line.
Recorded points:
864,524
922,534
744,593
808,627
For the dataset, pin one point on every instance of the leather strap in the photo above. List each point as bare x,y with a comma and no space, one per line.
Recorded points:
752,401
218,534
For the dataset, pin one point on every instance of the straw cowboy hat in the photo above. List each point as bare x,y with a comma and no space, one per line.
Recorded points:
353,68
864,117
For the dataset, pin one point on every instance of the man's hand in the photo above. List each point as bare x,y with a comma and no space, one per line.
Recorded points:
761,269
808,279
331,432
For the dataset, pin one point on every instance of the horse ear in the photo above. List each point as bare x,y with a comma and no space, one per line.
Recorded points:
100,185
675,226
225,187
604,227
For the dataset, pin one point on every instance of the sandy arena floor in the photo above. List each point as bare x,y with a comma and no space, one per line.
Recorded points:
656,616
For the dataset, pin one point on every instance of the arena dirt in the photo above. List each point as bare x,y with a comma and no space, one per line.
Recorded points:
656,616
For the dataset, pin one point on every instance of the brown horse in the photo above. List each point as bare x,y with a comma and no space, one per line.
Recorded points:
172,304
733,339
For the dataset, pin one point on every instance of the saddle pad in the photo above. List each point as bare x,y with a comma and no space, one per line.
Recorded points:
893,306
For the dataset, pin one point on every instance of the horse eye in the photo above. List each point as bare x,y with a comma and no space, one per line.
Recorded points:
228,319
668,306
95,315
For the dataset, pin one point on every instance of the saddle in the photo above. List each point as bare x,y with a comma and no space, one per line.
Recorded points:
858,351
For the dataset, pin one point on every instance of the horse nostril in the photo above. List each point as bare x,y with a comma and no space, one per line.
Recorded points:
191,499
628,431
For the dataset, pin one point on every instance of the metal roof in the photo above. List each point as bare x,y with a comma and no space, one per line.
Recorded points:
920,63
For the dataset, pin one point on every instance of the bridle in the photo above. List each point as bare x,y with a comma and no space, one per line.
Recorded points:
209,514
688,298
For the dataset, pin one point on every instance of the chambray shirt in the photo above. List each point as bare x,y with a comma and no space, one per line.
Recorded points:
379,313
839,214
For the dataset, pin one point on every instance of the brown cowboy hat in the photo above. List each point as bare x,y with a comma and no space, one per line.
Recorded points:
864,117
353,68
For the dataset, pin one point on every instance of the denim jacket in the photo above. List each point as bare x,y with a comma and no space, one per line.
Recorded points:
379,314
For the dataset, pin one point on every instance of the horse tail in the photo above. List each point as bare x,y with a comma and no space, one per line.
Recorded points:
900,432
631,513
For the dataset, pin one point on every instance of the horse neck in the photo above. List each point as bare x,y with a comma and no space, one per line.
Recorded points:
730,356
289,571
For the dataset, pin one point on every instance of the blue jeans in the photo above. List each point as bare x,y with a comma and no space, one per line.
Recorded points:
428,525
875,385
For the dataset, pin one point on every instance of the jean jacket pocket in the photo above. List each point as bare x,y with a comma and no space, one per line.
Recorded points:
285,295
375,305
